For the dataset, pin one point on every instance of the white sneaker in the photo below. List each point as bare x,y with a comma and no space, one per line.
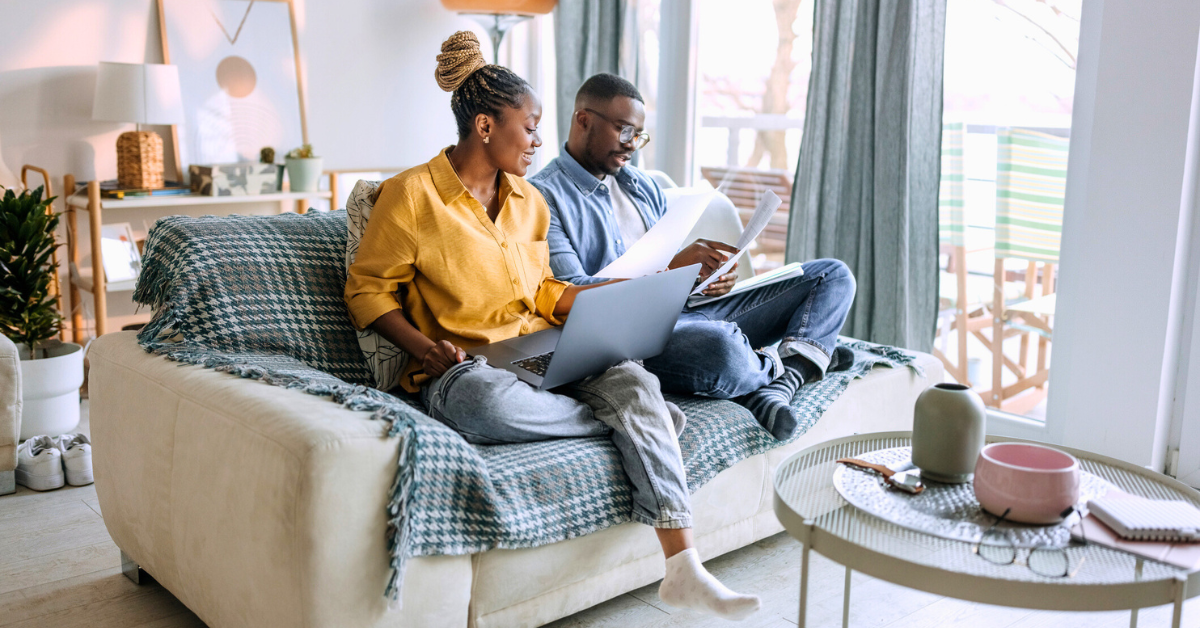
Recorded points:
39,464
76,452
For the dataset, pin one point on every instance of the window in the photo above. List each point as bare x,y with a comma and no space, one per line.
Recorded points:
753,63
1008,92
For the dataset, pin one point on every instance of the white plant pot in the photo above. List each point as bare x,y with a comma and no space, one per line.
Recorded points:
304,175
50,390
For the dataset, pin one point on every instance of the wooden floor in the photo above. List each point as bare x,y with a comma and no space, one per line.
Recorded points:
60,569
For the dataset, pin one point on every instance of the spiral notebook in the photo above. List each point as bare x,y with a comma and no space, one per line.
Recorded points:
1140,519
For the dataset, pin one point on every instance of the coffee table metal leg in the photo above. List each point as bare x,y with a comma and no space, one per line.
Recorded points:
1180,596
846,601
1137,575
803,584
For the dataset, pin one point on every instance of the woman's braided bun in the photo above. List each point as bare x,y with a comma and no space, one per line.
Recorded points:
459,58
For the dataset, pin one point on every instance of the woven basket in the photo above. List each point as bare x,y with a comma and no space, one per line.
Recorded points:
139,160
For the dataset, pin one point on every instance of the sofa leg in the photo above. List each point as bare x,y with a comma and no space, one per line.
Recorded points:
133,571
8,482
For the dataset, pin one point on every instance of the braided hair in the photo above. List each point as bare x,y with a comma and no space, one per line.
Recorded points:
477,86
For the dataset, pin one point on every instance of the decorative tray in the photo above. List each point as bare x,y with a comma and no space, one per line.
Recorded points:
949,511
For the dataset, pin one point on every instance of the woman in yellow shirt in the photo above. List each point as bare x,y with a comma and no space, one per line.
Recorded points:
455,256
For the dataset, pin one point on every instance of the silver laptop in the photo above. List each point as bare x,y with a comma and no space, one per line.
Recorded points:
630,320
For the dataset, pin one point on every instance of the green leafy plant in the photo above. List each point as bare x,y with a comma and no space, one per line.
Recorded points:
28,313
304,152
266,155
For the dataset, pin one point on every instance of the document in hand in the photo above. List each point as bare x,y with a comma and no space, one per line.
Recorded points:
762,215
653,251
795,269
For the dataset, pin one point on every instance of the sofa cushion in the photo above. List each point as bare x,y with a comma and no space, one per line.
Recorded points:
385,360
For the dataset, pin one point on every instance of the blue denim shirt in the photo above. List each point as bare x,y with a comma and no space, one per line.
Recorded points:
584,236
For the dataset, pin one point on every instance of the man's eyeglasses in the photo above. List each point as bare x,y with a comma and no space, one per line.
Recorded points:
628,133
996,546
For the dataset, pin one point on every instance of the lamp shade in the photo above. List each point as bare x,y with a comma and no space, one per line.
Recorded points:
515,7
143,93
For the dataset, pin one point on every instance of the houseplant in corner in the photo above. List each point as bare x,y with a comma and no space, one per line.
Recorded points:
303,169
51,370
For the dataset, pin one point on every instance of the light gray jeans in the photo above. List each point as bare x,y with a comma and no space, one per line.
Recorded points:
490,406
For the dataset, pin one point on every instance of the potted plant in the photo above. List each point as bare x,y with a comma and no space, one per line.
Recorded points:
51,370
303,169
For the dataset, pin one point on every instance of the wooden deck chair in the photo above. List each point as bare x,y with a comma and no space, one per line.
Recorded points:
1031,183
964,299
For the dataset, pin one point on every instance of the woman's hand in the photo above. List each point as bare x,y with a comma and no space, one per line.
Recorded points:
440,357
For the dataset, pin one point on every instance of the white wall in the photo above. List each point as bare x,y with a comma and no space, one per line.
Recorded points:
1115,330
372,98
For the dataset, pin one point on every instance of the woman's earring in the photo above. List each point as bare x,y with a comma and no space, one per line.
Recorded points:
486,140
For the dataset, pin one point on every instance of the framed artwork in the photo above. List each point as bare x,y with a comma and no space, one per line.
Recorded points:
239,75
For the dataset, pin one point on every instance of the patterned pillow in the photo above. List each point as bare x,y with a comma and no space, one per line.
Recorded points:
385,360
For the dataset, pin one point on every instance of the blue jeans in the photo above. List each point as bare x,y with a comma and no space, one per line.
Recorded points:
490,406
712,350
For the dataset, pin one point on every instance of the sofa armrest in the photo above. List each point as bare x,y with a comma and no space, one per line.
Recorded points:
253,504
10,412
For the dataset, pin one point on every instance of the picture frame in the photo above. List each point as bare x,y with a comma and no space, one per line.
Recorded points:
242,87
122,260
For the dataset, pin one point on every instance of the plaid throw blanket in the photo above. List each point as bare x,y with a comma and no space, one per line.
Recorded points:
261,297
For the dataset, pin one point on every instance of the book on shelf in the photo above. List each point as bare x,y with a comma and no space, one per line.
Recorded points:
112,189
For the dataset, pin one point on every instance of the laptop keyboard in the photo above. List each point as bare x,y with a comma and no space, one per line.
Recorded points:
536,363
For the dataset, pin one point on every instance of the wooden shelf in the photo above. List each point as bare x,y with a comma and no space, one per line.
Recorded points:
80,199
89,200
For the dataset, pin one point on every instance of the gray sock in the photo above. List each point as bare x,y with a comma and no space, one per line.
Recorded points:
808,371
771,405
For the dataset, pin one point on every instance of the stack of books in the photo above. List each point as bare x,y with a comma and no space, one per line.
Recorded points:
1161,530
112,189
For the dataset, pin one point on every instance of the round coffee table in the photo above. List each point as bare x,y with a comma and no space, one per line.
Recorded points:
812,511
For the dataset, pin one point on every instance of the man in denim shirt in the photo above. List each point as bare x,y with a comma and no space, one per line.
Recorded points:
600,206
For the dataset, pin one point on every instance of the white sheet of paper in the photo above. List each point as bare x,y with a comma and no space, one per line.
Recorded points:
762,215
653,251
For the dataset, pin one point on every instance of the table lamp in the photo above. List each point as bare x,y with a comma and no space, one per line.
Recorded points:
142,93
498,16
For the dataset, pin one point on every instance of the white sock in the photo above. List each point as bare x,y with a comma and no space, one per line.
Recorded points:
689,585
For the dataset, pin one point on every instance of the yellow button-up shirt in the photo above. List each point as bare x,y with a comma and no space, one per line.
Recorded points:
430,249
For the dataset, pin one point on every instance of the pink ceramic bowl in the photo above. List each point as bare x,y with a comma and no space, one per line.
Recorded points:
1036,482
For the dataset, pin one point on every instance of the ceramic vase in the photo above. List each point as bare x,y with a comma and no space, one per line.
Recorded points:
948,431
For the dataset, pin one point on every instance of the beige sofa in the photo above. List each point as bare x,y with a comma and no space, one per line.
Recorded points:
10,414
261,506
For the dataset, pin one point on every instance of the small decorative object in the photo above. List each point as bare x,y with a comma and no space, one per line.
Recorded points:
51,370
239,179
948,432
266,155
143,94
1034,483
498,16
303,169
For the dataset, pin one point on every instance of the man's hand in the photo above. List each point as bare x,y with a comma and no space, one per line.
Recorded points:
440,357
722,285
710,253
